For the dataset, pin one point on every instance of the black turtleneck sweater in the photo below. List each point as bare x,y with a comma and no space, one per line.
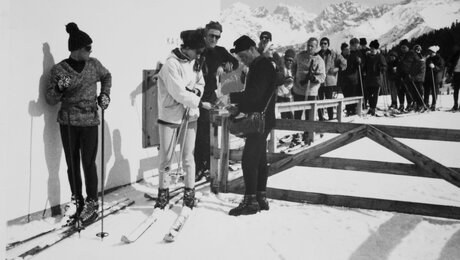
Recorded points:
76,64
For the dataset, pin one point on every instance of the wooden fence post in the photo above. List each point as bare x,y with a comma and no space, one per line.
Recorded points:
224,154
312,117
214,143
339,111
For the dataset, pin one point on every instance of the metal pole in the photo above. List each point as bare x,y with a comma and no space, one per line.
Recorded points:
102,234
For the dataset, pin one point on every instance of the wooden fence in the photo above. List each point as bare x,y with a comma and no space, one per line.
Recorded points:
422,166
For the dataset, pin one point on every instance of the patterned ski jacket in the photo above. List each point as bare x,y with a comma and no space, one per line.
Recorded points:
79,100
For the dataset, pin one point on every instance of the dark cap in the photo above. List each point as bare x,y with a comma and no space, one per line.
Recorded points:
214,25
404,42
354,41
193,39
266,34
362,41
289,54
77,38
374,44
241,44
343,46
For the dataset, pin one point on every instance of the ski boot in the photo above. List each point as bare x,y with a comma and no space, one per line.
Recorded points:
72,211
248,206
189,197
262,200
89,213
163,198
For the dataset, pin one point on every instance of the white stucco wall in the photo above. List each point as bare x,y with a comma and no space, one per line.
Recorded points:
128,36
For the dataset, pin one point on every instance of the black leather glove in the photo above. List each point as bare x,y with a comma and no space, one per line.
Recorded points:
103,100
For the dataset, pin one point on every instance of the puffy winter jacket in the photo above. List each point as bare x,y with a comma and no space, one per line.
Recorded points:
176,81
302,68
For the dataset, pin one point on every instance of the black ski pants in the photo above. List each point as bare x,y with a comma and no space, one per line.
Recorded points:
81,144
254,163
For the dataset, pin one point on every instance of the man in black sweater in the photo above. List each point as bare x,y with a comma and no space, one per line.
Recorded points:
260,86
217,61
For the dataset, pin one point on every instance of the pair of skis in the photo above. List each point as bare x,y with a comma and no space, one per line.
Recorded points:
58,234
142,227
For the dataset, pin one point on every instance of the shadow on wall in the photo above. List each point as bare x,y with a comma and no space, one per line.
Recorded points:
51,136
107,148
120,172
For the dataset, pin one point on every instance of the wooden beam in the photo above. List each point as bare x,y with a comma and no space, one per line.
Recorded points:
237,155
436,134
368,166
365,203
423,162
317,150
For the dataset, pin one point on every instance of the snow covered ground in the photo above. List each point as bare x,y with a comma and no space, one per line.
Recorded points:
293,230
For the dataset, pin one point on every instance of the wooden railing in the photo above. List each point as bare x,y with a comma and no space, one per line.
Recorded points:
421,166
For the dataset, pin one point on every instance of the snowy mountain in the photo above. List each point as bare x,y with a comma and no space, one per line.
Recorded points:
389,23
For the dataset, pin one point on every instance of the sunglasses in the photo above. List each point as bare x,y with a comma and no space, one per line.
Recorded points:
289,60
323,43
88,48
264,38
217,37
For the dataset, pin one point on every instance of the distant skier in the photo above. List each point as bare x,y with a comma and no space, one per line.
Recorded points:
374,67
260,86
310,72
180,87
73,82
453,71
433,75
333,63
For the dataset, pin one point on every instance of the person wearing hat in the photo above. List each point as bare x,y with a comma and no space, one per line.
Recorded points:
453,72
433,75
352,77
418,77
180,88
283,92
333,62
266,48
345,52
374,66
393,80
217,61
73,83
259,90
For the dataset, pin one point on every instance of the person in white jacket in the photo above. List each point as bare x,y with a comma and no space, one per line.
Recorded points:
180,87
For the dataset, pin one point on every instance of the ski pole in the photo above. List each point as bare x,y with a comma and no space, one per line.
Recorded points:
102,234
179,161
418,93
435,94
361,82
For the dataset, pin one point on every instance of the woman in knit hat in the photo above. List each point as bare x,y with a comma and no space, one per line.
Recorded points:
433,75
73,83
374,66
180,87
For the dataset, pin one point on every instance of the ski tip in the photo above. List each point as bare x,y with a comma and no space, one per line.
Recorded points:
125,239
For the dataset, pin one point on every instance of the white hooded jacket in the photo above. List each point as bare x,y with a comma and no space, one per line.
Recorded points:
175,77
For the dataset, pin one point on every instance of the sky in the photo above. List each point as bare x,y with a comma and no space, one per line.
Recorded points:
311,6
